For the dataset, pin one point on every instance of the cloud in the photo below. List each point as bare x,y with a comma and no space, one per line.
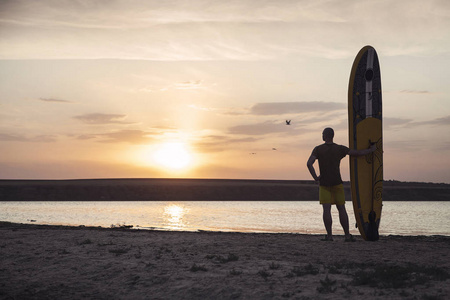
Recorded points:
164,87
54,100
43,139
86,137
414,92
201,108
98,119
389,123
281,108
235,111
6,137
288,108
404,146
127,136
122,136
218,30
399,122
12,138
74,169
218,143
443,121
189,85
443,146
263,128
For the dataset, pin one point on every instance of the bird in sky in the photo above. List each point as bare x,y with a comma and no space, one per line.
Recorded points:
288,122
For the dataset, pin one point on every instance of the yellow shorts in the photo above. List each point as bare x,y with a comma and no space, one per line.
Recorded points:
332,194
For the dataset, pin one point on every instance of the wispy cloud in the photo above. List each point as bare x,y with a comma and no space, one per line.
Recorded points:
443,146
404,146
415,92
214,30
6,137
402,123
54,100
12,138
289,108
122,136
218,143
443,121
263,128
86,137
281,108
99,119
389,123
183,85
189,85
127,136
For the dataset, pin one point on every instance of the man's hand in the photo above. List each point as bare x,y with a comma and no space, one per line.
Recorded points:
363,152
317,179
311,169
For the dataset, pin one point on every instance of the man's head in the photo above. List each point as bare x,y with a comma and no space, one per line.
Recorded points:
328,134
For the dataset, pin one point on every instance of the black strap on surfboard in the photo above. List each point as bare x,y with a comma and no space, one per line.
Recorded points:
372,232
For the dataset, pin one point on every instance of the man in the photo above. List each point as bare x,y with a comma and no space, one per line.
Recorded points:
331,189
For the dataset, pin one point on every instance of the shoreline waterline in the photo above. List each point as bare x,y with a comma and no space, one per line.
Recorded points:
304,217
129,228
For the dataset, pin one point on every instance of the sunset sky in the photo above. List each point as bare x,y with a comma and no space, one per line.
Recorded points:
202,89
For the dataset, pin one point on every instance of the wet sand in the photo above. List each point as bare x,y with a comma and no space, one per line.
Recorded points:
58,262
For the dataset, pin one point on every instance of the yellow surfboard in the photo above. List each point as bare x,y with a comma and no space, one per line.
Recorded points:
365,123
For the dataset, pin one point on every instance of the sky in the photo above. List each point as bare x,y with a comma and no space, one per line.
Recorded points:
202,89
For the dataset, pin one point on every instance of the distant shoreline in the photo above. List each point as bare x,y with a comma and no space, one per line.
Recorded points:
162,189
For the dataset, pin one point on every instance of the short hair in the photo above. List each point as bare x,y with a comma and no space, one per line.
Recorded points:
328,132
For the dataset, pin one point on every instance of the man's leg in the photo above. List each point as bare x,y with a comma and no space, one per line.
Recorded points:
327,220
343,218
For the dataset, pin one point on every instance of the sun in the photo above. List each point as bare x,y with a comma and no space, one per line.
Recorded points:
172,155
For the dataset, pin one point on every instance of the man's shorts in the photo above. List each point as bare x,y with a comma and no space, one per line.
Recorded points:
332,194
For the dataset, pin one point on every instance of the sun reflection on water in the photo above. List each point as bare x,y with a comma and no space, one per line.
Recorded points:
173,215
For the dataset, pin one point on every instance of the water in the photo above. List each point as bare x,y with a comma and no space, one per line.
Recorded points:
398,218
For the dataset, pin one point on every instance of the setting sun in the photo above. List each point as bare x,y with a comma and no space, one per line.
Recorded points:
172,155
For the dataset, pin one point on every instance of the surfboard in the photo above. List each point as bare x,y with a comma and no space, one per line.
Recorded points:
365,123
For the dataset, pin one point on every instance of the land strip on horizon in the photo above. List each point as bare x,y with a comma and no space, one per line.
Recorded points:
162,189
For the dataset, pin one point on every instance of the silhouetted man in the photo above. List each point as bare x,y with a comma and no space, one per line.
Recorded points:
331,189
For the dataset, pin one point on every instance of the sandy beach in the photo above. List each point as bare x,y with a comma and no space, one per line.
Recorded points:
59,262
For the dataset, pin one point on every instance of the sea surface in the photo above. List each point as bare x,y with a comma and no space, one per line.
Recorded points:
398,218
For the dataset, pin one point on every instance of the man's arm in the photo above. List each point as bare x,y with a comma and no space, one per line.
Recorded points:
311,169
362,152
